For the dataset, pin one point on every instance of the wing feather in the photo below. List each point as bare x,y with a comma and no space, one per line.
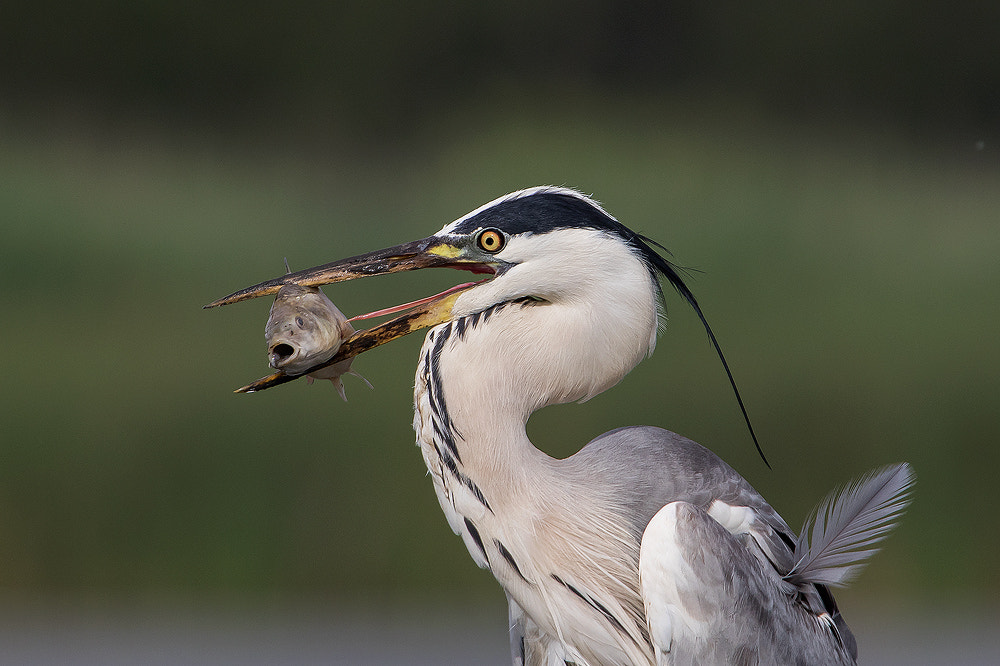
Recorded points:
835,542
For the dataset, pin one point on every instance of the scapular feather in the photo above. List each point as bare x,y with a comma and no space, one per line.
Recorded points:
836,540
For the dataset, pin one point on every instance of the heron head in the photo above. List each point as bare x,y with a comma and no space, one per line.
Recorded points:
540,243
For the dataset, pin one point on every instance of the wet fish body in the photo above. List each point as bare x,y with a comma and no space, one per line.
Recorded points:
305,329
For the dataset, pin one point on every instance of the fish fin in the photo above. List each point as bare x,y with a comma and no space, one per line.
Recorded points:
309,380
356,374
339,385
287,269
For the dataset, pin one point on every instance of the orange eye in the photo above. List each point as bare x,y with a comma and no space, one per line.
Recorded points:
490,240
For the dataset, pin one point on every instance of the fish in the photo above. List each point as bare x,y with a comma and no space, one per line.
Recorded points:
305,329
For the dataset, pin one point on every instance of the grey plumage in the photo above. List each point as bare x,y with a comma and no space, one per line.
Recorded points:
650,467
833,545
739,575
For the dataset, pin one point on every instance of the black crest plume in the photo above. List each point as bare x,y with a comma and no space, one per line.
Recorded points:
672,274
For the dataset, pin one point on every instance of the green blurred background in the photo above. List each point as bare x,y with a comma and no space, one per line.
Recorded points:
832,172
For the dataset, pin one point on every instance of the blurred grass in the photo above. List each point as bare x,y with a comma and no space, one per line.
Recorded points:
849,274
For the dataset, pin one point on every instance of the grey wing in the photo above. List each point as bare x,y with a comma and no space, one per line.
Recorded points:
710,600
652,467
714,558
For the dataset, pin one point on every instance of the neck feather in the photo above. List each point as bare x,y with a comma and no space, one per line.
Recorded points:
490,370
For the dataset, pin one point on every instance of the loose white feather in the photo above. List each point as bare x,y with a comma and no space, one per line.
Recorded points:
836,540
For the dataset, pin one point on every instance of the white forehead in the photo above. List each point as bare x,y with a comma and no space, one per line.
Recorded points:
520,194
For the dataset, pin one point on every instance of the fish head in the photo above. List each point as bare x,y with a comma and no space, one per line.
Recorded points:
304,329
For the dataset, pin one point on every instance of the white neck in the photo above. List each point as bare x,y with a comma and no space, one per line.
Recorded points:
585,328
479,379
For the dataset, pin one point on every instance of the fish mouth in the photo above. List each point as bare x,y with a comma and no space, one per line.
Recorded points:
432,252
285,355
281,353
293,358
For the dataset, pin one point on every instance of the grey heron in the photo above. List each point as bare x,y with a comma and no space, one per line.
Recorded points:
644,547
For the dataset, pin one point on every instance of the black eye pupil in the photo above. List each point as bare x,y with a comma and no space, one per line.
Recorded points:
491,241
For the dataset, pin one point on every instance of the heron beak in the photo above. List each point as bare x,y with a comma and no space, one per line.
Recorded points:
430,252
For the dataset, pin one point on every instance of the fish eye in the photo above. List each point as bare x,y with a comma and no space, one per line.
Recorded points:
491,240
